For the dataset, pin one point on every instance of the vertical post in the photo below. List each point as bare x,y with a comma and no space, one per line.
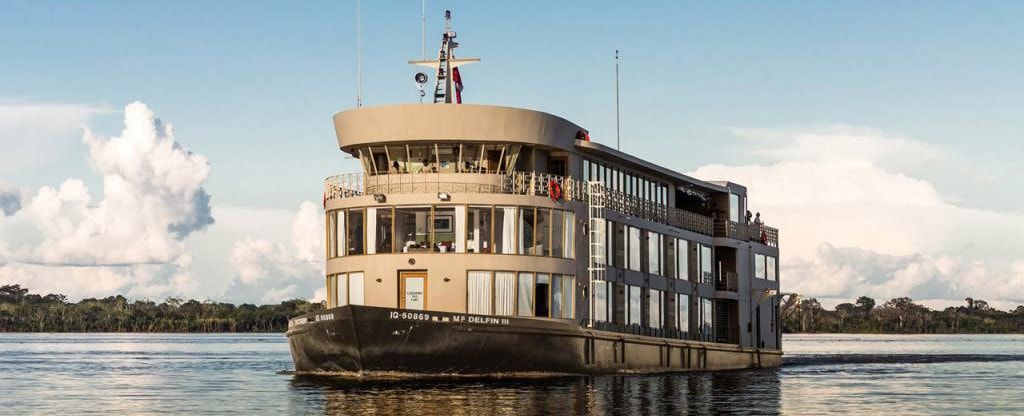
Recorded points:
359,60
423,24
618,145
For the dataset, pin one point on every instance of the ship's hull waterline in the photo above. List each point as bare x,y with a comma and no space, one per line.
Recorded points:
368,341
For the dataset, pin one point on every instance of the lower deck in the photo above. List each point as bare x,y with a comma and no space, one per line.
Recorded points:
369,340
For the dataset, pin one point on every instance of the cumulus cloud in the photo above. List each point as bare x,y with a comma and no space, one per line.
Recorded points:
854,221
128,237
276,271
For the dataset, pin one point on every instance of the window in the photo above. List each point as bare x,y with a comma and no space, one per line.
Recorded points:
542,295
655,306
772,269
504,230
706,319
384,230
354,233
682,259
706,275
542,235
355,288
557,297
525,294
670,256
526,231
335,234
444,229
478,227
601,303
634,248
759,266
654,253
569,228
345,289
478,287
412,229
619,237
682,312
734,208
633,308
504,293
558,237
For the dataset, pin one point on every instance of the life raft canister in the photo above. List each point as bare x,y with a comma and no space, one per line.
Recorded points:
554,190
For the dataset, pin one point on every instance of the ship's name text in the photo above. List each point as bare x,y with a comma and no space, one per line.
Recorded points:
453,319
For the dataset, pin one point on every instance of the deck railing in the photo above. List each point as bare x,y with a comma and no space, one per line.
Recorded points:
540,184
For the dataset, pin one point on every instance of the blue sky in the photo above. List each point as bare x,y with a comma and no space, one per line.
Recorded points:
252,86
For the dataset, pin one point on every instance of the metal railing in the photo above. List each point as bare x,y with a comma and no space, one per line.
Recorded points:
749,232
540,184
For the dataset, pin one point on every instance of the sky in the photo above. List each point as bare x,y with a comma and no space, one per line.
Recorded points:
159,149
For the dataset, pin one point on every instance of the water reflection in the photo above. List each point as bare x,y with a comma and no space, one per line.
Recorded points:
740,392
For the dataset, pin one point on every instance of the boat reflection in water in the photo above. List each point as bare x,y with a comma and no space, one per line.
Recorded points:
737,392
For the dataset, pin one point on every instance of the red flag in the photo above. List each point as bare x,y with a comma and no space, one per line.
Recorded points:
458,85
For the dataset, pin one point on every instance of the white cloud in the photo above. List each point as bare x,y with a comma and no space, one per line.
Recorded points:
273,272
854,222
129,238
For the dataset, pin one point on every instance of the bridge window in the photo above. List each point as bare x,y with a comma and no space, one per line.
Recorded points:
655,306
601,303
478,288
682,259
772,268
682,312
355,237
654,242
525,304
633,307
707,330
504,293
479,226
412,229
706,275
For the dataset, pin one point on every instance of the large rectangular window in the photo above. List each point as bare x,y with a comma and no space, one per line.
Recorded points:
504,293
354,238
670,256
569,249
384,230
682,259
734,208
412,229
445,229
634,248
655,308
504,230
683,312
478,227
706,274
345,289
478,287
525,294
759,267
772,268
633,309
543,232
527,221
557,299
654,253
706,319
355,288
601,302
558,233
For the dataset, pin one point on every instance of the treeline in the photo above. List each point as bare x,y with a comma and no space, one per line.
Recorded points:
900,316
21,311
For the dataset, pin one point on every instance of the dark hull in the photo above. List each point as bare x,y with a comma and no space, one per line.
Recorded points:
365,340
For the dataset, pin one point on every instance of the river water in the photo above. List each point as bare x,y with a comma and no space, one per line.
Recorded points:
248,374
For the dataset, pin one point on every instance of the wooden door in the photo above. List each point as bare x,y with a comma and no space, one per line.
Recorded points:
412,291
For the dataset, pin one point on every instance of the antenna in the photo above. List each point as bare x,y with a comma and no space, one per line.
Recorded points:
618,130
448,81
359,60
423,23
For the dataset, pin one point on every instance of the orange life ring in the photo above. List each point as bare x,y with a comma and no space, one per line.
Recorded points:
554,190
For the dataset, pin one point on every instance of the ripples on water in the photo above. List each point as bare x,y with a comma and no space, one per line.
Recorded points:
247,374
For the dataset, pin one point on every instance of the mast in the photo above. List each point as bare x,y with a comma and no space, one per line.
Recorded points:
448,84
618,144
359,60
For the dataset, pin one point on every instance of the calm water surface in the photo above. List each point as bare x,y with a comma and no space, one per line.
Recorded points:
247,374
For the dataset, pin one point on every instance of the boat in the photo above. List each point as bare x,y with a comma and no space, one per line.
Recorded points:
490,240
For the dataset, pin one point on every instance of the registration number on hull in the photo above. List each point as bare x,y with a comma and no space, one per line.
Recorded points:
454,319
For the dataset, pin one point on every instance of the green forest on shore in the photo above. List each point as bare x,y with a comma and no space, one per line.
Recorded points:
21,311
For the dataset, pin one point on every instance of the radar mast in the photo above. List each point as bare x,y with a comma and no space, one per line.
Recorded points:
449,82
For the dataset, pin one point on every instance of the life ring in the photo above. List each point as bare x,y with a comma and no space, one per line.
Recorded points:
554,190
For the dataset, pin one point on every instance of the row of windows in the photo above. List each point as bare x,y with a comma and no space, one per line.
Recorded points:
440,158
520,293
657,304
345,289
765,267
631,248
451,229
623,181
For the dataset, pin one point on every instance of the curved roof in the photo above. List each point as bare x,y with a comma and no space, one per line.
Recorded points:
413,122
